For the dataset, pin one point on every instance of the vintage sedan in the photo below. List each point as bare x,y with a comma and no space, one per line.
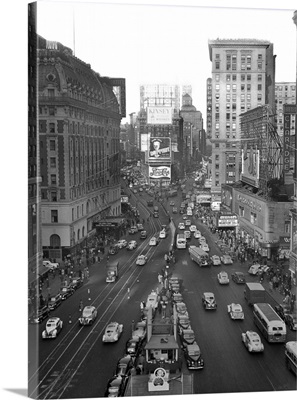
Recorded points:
193,228
291,321
183,322
204,246
252,342
133,230
197,234
181,226
76,282
238,277
124,365
187,336
39,315
139,330
153,241
131,245
177,297
181,309
122,243
174,210
223,278
66,291
208,301
162,234
235,311
52,328
193,357
188,222
215,260
133,346
172,203
141,260
226,259
112,332
152,300
116,386
88,316
54,301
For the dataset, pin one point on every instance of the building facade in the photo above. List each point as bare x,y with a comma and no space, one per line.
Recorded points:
243,76
79,119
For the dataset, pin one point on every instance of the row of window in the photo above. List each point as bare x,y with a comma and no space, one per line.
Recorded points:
233,77
243,87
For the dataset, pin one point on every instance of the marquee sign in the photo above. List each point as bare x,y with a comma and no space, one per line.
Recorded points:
159,172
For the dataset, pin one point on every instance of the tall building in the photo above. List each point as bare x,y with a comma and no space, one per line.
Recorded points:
208,108
285,93
34,214
243,78
79,117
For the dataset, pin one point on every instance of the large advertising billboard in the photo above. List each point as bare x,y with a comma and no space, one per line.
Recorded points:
250,166
160,149
159,115
160,172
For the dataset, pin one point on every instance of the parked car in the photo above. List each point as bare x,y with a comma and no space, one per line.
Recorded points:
181,309
132,230
131,245
238,277
215,260
187,234
39,315
116,386
197,234
223,278
208,301
139,330
143,235
187,336
133,346
112,332
122,243
124,365
183,322
52,328
193,228
235,311
181,226
174,210
172,203
54,301
176,297
76,283
139,227
291,321
282,310
141,260
88,316
257,269
226,259
252,342
66,291
188,222
193,356
204,247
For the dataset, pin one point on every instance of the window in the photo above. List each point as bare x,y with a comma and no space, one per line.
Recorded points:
217,56
248,87
217,64
217,88
234,106
53,162
53,196
234,88
228,106
52,127
233,77
249,77
259,78
259,87
253,218
217,78
242,87
228,78
217,96
54,216
51,110
248,63
259,97
217,157
259,65
234,62
228,63
242,77
233,116
217,116
233,127
217,166
228,97
228,87
242,98
259,56
228,116
217,145
241,211
53,179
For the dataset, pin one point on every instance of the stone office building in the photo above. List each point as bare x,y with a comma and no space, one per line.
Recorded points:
79,136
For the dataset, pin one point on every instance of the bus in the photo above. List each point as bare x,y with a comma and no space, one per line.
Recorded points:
291,356
199,256
181,241
269,323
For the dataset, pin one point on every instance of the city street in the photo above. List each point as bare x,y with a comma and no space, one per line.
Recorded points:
77,363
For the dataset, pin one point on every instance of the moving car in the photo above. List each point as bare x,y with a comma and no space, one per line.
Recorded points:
116,386
152,300
131,245
257,269
172,203
223,278
162,234
188,222
133,230
176,297
39,315
66,292
54,301
215,260
153,241
52,328
235,311
208,301
122,243
193,356
174,210
226,259
139,330
139,227
202,239
187,234
252,342
181,226
88,316
113,249
141,260
112,332
197,234
193,228
282,310
204,246
238,277
76,283
291,321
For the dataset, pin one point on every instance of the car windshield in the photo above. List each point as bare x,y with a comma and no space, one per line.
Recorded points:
51,324
193,353
189,335
87,313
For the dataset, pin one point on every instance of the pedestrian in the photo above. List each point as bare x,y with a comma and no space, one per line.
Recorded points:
81,305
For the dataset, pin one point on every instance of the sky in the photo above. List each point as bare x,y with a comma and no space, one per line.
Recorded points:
163,44
135,43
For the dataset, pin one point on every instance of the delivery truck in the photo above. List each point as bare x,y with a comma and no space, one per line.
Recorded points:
112,271
255,293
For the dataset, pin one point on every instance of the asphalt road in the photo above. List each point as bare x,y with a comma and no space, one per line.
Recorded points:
77,363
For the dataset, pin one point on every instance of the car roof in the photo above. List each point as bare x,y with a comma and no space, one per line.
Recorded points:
53,319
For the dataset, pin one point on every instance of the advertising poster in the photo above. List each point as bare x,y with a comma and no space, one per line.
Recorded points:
159,149
250,166
159,172
159,115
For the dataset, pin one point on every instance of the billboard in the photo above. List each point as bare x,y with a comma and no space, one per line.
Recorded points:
160,149
250,166
144,141
160,172
159,115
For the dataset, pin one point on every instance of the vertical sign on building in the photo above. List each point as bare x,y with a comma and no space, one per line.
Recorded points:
289,109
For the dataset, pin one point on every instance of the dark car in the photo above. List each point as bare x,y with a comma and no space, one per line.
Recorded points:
238,277
116,386
282,310
39,315
291,321
133,230
113,249
143,235
133,347
55,301
76,283
187,336
193,356
124,365
66,292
